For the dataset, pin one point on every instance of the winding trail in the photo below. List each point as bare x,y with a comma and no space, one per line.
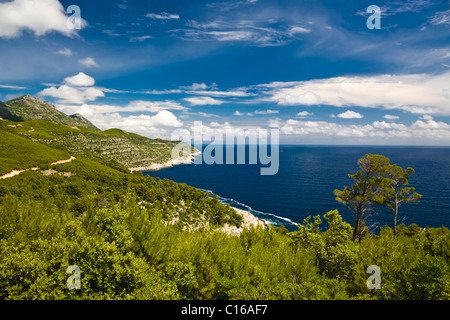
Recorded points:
17,172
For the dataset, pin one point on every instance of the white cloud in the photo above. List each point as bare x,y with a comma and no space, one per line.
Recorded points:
141,38
132,106
88,62
4,86
427,131
303,98
163,118
160,125
152,106
77,89
304,114
162,16
196,86
415,93
80,80
258,32
40,17
231,93
426,117
65,52
349,114
296,29
269,111
391,117
260,112
76,95
442,17
419,110
203,101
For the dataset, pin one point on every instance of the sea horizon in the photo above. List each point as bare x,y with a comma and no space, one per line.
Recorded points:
218,179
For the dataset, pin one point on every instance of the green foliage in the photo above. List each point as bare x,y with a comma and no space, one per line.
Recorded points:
378,183
29,108
335,255
17,153
362,194
137,237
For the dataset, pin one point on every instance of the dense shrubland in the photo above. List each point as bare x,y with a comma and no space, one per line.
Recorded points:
119,228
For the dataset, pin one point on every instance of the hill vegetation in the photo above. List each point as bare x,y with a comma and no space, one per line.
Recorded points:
42,122
29,108
138,237
17,153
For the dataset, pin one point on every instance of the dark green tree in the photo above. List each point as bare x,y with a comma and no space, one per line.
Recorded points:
394,191
360,197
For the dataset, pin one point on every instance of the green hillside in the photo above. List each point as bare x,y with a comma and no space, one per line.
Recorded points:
139,237
29,108
40,121
17,153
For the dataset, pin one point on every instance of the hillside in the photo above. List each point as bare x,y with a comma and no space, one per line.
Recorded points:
29,108
41,122
17,153
139,237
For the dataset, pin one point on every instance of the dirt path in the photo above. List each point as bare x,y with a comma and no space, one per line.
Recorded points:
17,172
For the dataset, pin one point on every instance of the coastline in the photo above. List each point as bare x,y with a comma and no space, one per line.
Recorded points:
168,164
249,221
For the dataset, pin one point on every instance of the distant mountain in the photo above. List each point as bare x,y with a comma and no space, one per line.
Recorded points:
30,108
41,122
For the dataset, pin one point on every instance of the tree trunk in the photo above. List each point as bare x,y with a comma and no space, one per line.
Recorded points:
395,212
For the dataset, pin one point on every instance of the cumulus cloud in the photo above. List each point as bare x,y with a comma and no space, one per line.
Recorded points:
69,94
40,17
197,86
415,93
80,80
426,130
77,89
349,114
160,125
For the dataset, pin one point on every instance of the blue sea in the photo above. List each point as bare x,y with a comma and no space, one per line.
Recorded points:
307,177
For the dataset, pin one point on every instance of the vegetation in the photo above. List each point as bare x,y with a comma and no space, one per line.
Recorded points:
17,153
378,183
29,108
138,237
42,122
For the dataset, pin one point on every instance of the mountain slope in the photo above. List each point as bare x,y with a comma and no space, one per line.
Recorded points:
17,153
29,108
42,122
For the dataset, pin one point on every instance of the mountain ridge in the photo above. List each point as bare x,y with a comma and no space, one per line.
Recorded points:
28,107
41,122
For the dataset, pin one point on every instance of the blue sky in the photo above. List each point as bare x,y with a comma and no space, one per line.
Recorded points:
311,69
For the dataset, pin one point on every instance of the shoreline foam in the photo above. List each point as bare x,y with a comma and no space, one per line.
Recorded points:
249,221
